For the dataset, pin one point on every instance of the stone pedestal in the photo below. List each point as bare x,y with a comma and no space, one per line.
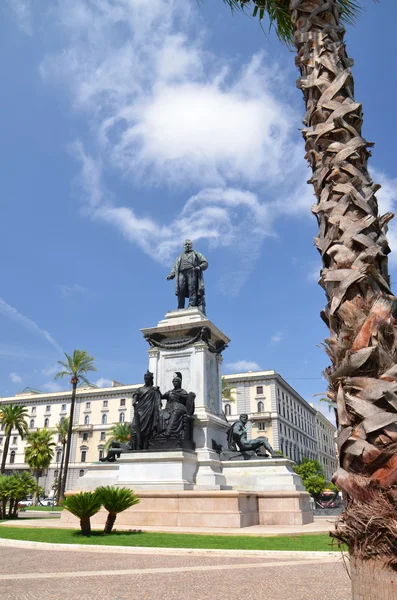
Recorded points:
268,474
168,470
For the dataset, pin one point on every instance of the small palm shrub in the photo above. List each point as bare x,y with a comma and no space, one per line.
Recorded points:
115,500
83,505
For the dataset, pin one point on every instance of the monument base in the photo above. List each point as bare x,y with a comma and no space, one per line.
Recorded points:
158,470
265,474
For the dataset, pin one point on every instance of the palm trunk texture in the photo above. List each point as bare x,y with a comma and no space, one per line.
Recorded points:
110,521
85,525
69,442
5,452
361,308
60,474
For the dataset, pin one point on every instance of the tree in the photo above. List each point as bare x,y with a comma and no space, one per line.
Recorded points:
13,489
115,500
12,416
119,432
312,475
75,367
227,390
39,452
62,429
361,308
84,506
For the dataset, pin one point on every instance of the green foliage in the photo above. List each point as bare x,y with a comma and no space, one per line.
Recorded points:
12,416
227,390
119,432
13,489
76,366
39,450
312,475
83,505
279,14
115,500
62,430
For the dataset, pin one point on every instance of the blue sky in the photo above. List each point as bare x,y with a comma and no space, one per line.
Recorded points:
126,130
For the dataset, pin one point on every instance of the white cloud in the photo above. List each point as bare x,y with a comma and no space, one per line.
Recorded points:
102,382
277,337
52,386
15,378
71,289
22,11
28,324
242,366
52,370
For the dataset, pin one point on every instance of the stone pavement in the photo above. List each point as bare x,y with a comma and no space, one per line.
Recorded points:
34,572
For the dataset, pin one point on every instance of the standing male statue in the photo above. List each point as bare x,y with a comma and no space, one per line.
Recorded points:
188,273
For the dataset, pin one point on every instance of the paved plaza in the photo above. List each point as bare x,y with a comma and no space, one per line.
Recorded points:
29,572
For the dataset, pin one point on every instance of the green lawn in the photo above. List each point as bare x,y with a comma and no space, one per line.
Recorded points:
45,508
319,542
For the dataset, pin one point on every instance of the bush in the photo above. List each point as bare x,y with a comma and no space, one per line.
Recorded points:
83,505
115,500
13,489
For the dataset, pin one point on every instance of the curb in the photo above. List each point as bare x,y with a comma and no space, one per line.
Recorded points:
309,555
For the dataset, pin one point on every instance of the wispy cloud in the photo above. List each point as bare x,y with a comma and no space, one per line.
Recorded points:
22,11
276,337
387,200
28,324
102,382
241,366
15,378
71,289
51,370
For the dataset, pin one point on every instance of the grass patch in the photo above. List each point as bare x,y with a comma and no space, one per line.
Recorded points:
45,508
317,543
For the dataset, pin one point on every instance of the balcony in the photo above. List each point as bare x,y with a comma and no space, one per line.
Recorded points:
85,427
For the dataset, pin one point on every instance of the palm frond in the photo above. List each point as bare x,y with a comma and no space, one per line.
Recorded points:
83,505
115,500
278,13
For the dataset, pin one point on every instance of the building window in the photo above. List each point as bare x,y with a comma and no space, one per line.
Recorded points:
85,437
81,473
122,402
31,424
103,436
261,425
48,408
105,404
56,473
122,417
83,455
46,422
12,457
15,440
33,410
88,404
104,419
58,456
100,454
63,407
86,420
259,390
261,407
228,410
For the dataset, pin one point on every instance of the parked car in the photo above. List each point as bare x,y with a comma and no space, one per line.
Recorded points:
25,503
47,501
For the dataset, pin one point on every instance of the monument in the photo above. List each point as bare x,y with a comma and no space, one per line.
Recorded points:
189,466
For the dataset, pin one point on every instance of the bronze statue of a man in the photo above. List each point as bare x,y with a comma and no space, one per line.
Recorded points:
239,442
188,273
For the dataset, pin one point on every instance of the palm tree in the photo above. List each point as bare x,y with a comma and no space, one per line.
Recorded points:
39,452
361,308
75,367
84,506
119,432
62,429
115,500
12,416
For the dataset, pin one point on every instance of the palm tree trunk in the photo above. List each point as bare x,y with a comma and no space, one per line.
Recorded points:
37,477
110,521
5,452
85,525
68,443
60,474
361,307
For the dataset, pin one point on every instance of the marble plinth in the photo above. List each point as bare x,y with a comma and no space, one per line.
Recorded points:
170,470
268,474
